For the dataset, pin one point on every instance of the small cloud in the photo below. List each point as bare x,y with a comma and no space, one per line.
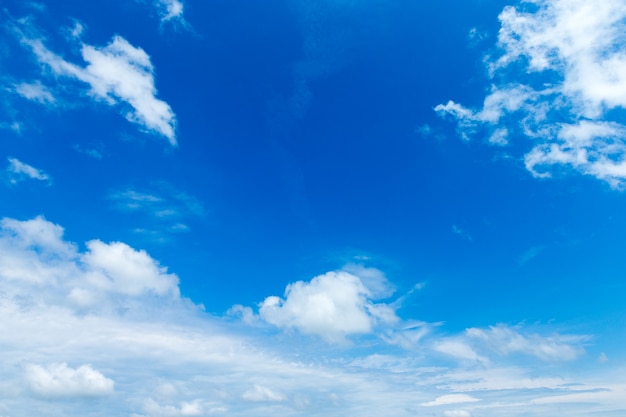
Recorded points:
59,380
18,171
602,358
118,73
94,150
35,92
451,399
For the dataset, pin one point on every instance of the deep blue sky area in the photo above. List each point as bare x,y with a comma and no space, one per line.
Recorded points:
421,184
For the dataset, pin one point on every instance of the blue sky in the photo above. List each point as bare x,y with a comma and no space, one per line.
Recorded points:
307,208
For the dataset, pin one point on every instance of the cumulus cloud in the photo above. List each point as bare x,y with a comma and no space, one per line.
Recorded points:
332,306
34,254
118,73
18,171
60,380
559,79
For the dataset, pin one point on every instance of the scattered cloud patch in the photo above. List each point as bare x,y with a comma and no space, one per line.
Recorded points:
118,73
18,171
60,380
35,92
558,79
170,9
506,340
451,399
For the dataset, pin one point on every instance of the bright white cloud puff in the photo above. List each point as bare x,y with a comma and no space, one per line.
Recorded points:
116,73
579,45
332,306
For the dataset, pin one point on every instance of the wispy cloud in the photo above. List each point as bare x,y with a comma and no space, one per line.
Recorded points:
35,91
18,171
558,79
118,73
164,207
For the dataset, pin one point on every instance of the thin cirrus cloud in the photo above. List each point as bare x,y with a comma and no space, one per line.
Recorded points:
118,73
108,321
18,171
165,207
560,80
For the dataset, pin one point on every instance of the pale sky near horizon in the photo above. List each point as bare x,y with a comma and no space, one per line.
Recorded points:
312,208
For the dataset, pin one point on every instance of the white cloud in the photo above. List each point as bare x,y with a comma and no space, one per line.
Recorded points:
505,340
18,170
157,355
170,9
59,380
451,399
572,81
33,254
116,73
261,393
35,91
332,306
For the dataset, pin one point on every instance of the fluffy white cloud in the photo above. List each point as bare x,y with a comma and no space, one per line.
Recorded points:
116,73
59,380
33,253
333,306
569,93
18,170
170,9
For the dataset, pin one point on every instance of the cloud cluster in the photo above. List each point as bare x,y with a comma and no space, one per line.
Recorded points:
118,73
116,316
34,256
559,80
